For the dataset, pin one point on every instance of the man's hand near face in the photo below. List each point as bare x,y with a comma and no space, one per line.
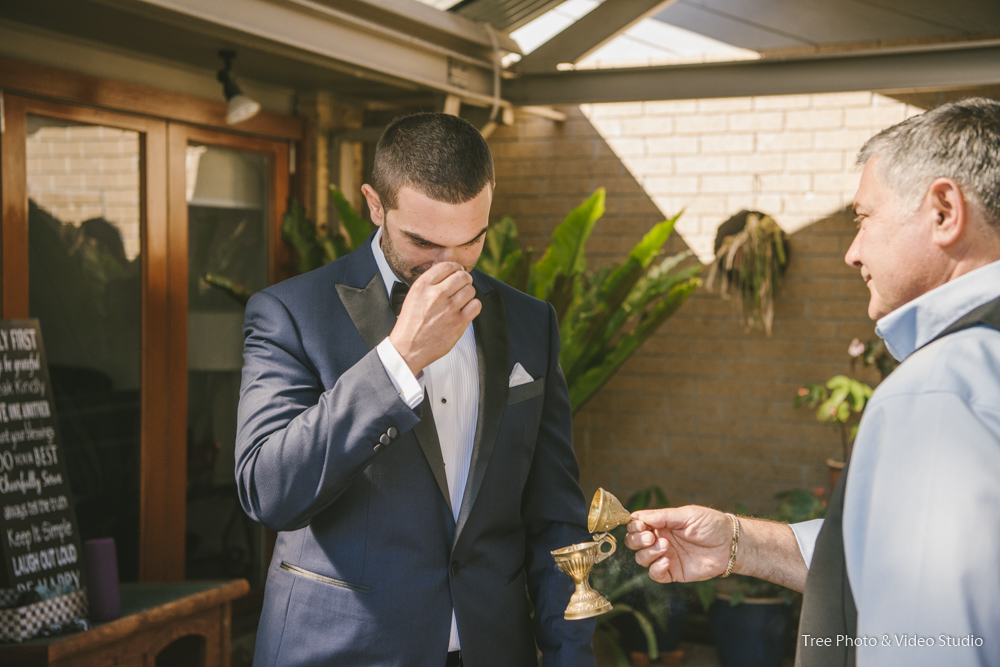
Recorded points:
437,310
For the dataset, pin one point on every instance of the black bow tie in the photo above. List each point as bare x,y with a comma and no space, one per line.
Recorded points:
396,296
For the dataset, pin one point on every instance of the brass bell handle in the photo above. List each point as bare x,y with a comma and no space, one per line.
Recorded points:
601,554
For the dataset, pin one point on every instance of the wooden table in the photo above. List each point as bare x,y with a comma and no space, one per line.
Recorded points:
183,624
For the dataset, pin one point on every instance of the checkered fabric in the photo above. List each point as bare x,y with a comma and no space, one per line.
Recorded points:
23,623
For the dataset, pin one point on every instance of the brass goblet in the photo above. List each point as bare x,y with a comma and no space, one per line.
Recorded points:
577,561
606,513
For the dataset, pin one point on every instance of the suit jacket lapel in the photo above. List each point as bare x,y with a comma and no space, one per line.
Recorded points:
490,328
371,313
369,309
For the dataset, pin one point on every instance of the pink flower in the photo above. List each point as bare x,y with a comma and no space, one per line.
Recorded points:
856,348
803,391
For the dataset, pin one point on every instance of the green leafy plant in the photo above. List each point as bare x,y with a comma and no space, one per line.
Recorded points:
605,314
313,246
842,400
797,505
630,590
750,264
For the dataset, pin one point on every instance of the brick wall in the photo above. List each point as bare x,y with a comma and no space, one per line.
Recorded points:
704,408
791,155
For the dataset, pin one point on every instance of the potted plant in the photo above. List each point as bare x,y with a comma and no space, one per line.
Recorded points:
843,399
751,254
750,618
647,619
604,314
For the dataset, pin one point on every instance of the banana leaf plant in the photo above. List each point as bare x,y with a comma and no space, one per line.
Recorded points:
605,314
314,247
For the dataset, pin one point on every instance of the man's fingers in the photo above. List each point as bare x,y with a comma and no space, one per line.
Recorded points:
659,571
636,541
471,310
652,518
463,296
636,526
650,555
439,273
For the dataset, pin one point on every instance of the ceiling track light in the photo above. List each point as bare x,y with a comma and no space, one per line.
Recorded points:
239,107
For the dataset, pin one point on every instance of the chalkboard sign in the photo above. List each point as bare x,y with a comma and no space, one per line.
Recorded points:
39,540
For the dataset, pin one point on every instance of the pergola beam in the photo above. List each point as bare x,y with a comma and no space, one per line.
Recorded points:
602,24
371,39
939,66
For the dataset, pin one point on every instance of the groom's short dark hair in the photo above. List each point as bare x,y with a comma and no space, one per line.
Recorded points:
442,156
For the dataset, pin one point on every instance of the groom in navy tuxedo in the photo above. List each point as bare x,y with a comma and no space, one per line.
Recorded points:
417,465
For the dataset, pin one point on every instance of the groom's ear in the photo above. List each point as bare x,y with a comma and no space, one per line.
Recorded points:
374,205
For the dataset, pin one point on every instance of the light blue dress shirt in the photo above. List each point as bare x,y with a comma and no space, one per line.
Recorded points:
922,504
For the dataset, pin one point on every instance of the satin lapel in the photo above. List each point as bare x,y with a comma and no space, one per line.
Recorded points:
369,310
491,354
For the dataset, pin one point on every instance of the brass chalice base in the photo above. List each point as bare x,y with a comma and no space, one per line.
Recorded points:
577,561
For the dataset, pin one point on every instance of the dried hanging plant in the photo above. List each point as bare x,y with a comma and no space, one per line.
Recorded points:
750,264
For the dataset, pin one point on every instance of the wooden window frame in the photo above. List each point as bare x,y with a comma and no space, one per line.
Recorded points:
167,122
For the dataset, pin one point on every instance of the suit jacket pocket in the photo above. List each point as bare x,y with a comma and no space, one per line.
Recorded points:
323,579
523,392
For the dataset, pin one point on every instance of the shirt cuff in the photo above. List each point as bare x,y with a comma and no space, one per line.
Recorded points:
806,533
409,387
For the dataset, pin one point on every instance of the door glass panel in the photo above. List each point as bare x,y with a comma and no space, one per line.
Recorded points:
84,241
227,197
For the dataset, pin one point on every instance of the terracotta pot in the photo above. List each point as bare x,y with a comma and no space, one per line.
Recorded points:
836,467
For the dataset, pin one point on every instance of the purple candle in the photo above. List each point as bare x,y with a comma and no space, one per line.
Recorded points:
101,563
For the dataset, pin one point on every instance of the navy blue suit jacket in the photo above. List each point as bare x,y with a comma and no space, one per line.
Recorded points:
369,561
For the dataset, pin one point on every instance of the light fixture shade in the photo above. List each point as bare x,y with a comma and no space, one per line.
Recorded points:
241,108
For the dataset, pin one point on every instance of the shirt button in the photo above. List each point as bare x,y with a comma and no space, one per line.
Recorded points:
378,448
444,400
454,567
384,439
392,432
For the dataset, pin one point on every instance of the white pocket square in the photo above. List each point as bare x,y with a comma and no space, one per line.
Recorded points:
519,376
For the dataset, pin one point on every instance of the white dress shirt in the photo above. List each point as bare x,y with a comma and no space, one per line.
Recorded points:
452,384
922,504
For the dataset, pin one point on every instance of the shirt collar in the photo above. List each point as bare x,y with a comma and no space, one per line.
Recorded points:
913,325
388,277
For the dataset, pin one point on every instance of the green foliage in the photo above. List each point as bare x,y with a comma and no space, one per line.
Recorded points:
502,255
843,399
628,587
318,247
240,293
552,278
798,505
605,314
313,247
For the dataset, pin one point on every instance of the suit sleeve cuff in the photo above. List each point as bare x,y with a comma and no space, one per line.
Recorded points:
806,533
409,387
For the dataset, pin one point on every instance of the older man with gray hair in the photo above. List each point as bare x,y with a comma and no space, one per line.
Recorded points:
905,569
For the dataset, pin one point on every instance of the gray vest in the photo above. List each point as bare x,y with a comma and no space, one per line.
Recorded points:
828,608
